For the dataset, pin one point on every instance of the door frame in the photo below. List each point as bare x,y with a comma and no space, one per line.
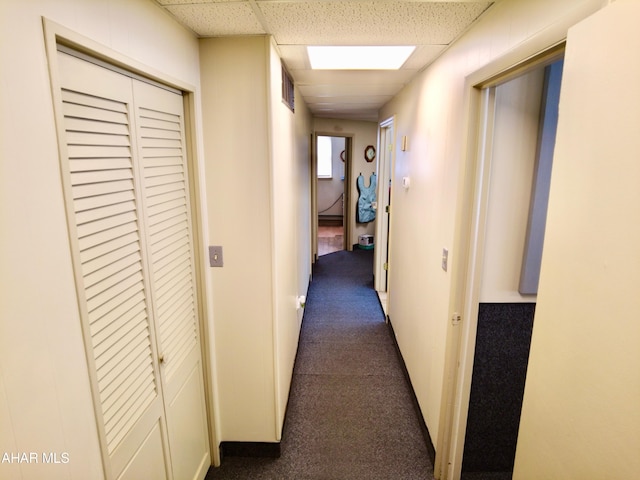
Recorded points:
348,215
386,162
313,179
56,34
469,243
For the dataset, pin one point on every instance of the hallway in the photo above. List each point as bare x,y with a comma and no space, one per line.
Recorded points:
350,412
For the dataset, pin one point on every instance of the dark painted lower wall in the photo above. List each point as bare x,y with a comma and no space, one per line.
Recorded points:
497,387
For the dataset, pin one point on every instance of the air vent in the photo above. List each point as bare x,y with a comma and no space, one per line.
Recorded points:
287,90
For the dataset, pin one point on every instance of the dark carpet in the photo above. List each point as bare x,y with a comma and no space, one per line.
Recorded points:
351,414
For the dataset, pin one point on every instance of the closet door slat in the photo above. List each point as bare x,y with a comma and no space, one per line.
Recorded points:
102,173
168,227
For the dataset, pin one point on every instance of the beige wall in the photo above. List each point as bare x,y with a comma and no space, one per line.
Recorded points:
291,211
432,113
580,418
235,119
45,400
257,180
363,134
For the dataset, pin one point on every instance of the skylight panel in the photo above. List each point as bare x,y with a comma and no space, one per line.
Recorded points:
358,57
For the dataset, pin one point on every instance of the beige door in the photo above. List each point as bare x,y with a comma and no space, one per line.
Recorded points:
160,123
124,170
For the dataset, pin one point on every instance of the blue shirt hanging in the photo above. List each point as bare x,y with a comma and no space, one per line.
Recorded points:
366,212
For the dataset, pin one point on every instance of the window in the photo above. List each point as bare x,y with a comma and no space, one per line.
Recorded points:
324,157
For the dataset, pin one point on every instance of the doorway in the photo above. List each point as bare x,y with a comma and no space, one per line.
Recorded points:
517,116
332,155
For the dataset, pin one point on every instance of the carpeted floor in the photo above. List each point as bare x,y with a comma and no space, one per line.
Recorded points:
350,414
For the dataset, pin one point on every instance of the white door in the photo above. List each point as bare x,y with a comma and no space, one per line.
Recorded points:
167,217
124,170
384,205
587,321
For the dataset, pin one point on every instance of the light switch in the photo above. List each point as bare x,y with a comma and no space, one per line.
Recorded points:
215,256
445,259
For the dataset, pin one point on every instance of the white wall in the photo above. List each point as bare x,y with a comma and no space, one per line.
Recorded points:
580,418
363,134
515,139
45,400
432,113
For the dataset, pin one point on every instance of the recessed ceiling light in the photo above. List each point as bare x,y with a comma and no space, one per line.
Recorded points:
358,57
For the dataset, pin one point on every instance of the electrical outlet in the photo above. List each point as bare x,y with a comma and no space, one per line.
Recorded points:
445,259
215,256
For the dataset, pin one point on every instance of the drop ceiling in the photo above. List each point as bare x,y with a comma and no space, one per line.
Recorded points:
431,26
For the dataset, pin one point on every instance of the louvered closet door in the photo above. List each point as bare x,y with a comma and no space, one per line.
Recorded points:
135,272
113,280
160,122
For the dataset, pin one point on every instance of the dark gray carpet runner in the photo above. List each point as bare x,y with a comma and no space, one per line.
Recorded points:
350,414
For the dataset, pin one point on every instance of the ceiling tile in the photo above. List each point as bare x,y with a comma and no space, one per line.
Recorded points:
192,2
423,55
316,22
374,89
216,19
295,56
352,77
349,112
364,99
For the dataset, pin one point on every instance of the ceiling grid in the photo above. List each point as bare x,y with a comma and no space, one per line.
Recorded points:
294,24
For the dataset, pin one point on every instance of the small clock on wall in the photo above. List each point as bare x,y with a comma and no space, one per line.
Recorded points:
370,153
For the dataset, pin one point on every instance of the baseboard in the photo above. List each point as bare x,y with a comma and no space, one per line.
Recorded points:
250,449
423,426
330,220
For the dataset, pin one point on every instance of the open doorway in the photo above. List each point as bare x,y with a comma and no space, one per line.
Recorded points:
332,193
517,117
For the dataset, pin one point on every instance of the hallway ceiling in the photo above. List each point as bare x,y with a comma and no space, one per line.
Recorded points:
350,94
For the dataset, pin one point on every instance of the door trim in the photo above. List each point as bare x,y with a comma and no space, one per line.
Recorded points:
385,174
469,242
313,179
348,216
55,35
